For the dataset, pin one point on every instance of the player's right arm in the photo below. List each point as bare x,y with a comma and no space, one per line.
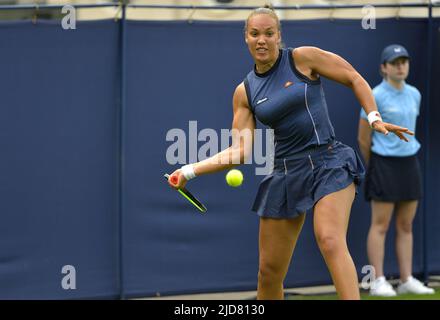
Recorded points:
243,125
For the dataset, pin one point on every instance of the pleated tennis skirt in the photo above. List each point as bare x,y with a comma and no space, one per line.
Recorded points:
393,179
298,182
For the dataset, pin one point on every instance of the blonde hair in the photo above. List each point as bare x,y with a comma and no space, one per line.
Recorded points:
266,9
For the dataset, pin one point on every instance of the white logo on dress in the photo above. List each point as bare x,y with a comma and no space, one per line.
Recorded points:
261,100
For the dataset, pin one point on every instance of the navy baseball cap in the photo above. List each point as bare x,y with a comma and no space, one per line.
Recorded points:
393,52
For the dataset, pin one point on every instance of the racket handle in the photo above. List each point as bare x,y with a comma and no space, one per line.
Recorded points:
174,179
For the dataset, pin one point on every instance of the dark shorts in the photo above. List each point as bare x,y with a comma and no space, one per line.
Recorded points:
393,179
297,183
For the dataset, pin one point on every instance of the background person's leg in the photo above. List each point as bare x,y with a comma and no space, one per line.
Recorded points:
381,213
405,213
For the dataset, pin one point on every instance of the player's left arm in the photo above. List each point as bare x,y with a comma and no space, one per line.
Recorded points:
331,66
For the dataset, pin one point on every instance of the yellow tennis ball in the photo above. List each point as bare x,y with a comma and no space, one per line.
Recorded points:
234,178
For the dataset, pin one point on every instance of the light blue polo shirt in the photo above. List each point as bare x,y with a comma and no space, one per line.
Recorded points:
399,107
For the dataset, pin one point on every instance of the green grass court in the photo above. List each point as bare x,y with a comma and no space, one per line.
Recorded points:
366,296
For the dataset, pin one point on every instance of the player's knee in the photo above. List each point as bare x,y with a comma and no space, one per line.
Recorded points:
270,273
329,244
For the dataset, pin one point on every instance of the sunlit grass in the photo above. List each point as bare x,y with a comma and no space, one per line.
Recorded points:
366,296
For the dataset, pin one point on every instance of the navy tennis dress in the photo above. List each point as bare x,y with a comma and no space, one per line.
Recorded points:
308,162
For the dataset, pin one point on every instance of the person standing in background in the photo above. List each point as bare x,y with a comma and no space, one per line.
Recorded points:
393,182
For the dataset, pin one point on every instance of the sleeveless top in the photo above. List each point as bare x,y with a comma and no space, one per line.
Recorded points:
291,104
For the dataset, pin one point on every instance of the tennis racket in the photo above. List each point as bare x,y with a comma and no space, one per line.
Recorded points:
188,195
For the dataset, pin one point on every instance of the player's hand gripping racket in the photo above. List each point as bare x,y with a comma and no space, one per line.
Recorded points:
188,195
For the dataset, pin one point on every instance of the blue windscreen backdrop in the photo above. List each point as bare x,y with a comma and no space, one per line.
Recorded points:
59,159
88,116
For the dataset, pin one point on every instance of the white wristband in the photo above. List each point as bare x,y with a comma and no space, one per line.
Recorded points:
373,116
188,171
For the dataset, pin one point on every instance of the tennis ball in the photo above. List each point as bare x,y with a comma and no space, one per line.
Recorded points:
234,178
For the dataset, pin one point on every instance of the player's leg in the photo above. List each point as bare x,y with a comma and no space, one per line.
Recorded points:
331,217
277,240
381,213
405,213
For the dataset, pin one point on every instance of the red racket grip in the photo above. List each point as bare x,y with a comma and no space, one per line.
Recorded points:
174,179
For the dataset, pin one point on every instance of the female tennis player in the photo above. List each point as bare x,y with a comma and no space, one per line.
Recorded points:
312,170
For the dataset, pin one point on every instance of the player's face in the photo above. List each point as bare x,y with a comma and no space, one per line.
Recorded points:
263,38
397,70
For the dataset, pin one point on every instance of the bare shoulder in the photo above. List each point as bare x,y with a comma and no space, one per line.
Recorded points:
243,116
306,53
240,89
240,97
305,59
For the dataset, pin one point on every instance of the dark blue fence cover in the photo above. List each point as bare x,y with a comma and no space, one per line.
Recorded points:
58,159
